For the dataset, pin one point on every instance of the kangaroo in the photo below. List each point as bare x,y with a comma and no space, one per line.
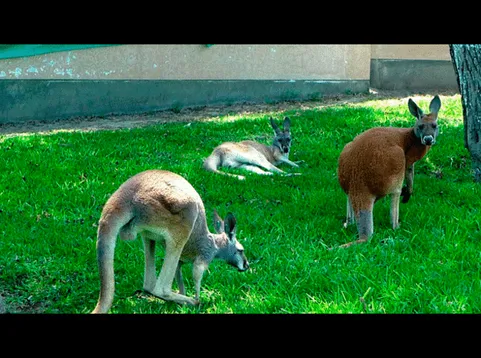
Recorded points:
253,156
162,206
376,163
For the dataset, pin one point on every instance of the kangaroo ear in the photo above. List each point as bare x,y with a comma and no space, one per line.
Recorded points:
435,104
274,126
287,124
218,223
230,226
414,109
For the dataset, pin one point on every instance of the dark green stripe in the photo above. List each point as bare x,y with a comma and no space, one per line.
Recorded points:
12,51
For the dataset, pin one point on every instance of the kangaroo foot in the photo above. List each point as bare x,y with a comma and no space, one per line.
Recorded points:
343,246
176,297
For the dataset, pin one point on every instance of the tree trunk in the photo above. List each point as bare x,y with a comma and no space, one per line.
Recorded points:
467,66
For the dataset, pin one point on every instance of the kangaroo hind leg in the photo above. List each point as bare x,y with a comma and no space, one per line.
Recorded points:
261,161
362,207
350,218
163,287
175,239
149,252
214,161
254,169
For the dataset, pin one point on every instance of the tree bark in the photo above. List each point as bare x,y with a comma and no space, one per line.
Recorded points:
467,66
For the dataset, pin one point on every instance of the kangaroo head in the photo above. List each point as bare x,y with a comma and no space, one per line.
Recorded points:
282,139
230,250
426,127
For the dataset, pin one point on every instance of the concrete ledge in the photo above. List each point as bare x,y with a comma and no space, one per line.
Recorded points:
24,100
413,75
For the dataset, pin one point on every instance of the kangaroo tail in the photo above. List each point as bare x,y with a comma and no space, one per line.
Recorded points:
212,163
110,225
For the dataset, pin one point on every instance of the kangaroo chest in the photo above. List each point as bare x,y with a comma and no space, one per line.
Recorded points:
415,153
198,248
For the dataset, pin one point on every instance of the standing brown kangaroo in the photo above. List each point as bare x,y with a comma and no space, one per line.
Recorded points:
163,207
253,156
376,162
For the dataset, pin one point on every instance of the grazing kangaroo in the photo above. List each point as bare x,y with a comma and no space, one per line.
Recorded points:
377,161
160,204
253,156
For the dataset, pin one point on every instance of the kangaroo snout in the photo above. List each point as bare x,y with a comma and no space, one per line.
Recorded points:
241,263
428,140
244,267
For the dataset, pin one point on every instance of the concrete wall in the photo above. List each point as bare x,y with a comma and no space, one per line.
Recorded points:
139,78
412,67
411,52
196,62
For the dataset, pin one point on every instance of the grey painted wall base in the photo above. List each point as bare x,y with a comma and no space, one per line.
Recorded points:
413,75
23,100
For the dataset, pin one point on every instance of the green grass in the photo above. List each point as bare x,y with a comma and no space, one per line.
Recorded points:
53,187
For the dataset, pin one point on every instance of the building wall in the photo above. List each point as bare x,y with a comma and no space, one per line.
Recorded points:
411,52
142,78
412,67
196,62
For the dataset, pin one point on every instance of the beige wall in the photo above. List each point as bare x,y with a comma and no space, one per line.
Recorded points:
197,62
219,62
411,52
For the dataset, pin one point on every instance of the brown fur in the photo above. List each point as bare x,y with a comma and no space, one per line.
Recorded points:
376,163
163,207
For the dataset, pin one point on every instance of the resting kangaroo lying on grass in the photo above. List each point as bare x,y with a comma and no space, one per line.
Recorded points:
163,206
253,156
376,162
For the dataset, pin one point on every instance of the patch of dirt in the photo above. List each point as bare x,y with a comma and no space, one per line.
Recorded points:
24,307
3,306
190,114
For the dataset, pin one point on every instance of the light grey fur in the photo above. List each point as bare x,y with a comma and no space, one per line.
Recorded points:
253,156
164,208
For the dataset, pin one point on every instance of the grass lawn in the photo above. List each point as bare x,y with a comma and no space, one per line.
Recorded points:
53,188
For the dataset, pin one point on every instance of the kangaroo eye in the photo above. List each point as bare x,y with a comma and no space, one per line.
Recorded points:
434,125
421,126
